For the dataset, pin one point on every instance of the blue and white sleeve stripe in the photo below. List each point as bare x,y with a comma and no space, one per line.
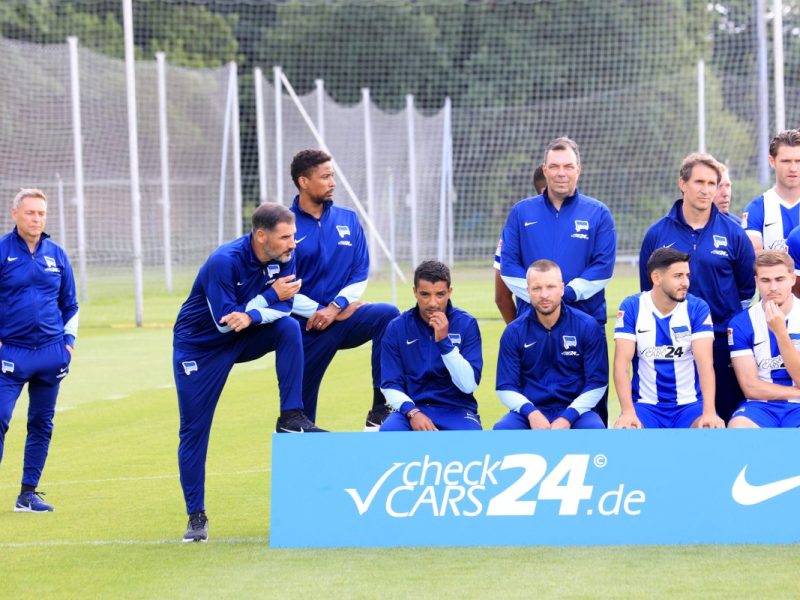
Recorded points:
304,306
461,372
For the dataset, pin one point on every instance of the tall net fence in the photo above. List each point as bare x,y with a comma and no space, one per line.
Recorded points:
620,77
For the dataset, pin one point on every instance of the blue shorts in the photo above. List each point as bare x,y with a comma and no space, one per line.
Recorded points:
668,416
514,420
775,413
445,418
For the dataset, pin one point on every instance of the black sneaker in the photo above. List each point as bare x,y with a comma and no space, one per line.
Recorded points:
295,421
197,529
377,416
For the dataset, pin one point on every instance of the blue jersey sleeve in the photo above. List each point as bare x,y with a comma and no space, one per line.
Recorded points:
392,377
740,335
700,319
68,302
466,372
743,268
753,217
219,288
793,246
511,267
595,362
625,327
649,244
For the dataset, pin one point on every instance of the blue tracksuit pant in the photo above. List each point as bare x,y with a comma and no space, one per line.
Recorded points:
319,347
42,369
200,375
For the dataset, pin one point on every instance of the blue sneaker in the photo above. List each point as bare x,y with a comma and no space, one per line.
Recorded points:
32,502
197,529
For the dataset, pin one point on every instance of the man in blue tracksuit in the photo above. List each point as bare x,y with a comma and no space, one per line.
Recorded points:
38,325
431,361
720,258
333,262
574,231
552,368
235,313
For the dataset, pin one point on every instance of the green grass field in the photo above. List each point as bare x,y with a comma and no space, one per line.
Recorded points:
112,475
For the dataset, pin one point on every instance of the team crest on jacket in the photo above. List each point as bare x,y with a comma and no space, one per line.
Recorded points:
455,338
189,366
8,366
579,227
569,341
343,230
273,270
52,267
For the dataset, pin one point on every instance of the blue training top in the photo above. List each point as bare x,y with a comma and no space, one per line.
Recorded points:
721,260
565,366
39,305
231,280
332,258
425,370
580,238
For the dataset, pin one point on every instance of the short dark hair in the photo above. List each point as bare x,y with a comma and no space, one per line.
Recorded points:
664,258
432,271
562,143
787,137
539,180
698,158
268,215
304,161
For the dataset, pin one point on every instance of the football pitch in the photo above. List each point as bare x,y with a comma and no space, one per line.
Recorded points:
112,475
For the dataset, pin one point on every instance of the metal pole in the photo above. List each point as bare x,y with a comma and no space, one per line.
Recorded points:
701,106
451,188
62,225
777,57
320,87
164,147
77,139
392,246
237,155
412,179
133,148
223,169
442,229
369,164
276,80
763,90
261,134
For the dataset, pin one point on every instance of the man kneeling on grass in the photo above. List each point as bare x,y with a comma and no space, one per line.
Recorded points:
431,359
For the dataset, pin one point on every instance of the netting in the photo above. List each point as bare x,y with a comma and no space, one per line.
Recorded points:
620,77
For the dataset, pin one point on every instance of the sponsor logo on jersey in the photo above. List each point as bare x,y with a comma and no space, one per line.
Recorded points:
273,270
455,338
8,366
772,363
663,352
343,230
345,243
779,245
189,366
681,332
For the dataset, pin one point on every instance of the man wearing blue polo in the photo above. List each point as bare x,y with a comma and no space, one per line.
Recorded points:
553,363
38,325
431,361
236,313
573,230
333,262
720,258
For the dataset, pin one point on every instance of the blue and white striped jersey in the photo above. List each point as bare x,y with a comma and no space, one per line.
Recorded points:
756,219
749,335
664,371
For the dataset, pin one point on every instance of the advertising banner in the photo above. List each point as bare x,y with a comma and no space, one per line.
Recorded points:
536,488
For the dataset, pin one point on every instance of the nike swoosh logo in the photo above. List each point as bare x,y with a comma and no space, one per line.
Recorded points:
670,245
363,505
643,330
529,345
409,342
529,223
292,430
301,239
64,369
747,494
12,258
238,283
770,224
759,343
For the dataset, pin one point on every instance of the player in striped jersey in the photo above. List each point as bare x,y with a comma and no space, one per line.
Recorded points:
668,336
764,344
